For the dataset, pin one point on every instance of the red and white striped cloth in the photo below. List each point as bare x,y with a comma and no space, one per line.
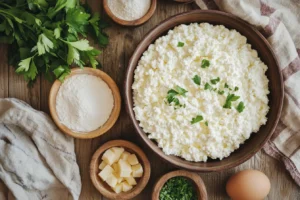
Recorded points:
279,21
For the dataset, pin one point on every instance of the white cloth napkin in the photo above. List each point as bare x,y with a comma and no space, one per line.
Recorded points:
279,21
37,161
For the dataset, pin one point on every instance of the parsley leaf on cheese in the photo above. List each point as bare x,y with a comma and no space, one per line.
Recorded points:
240,107
230,98
215,81
173,92
205,63
220,92
180,44
207,86
197,80
196,119
180,90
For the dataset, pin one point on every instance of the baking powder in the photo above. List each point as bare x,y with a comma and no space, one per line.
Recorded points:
84,103
129,9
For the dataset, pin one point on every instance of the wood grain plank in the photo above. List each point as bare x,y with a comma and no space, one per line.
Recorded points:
3,72
18,89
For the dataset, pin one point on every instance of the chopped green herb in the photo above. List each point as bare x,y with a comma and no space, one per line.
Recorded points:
205,63
226,85
196,119
207,86
240,107
197,80
178,188
180,90
215,81
49,36
180,44
236,88
172,93
230,98
220,92
206,123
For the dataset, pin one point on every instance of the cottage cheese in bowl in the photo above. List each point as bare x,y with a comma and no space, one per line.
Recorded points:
200,91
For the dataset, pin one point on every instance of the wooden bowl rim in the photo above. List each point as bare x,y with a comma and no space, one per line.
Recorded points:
113,116
195,178
143,135
136,22
143,161
184,1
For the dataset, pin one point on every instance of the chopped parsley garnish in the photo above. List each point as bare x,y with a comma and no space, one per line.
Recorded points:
197,80
172,93
180,44
236,88
207,86
205,63
206,123
181,91
230,98
178,188
196,119
240,107
220,92
215,81
226,85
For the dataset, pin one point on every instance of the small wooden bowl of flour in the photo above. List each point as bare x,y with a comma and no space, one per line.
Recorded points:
86,105
130,12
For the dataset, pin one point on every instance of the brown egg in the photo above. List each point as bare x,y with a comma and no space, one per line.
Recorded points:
248,185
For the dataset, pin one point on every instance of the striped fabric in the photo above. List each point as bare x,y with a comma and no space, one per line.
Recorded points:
279,21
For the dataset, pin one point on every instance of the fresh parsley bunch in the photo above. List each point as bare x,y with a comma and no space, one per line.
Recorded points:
48,36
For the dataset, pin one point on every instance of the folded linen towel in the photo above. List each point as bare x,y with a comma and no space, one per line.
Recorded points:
279,21
37,161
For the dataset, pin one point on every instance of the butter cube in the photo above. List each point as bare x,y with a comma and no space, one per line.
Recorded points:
112,181
117,175
118,188
102,165
125,155
118,151
115,167
126,187
137,170
124,168
130,180
109,157
106,172
132,159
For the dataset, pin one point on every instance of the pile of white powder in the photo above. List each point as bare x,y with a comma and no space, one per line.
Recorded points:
129,9
84,103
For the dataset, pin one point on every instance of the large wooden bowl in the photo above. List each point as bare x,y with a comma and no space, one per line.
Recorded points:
114,113
105,189
259,43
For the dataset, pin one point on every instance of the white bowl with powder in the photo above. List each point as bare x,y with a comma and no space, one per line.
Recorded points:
130,12
86,104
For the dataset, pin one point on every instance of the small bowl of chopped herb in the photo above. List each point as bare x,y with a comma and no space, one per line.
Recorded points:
179,185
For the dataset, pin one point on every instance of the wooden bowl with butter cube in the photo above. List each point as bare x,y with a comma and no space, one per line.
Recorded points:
119,170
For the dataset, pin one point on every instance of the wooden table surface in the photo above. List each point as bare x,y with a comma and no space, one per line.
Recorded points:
114,59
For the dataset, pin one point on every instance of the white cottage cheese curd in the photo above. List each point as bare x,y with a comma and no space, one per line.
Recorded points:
165,65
